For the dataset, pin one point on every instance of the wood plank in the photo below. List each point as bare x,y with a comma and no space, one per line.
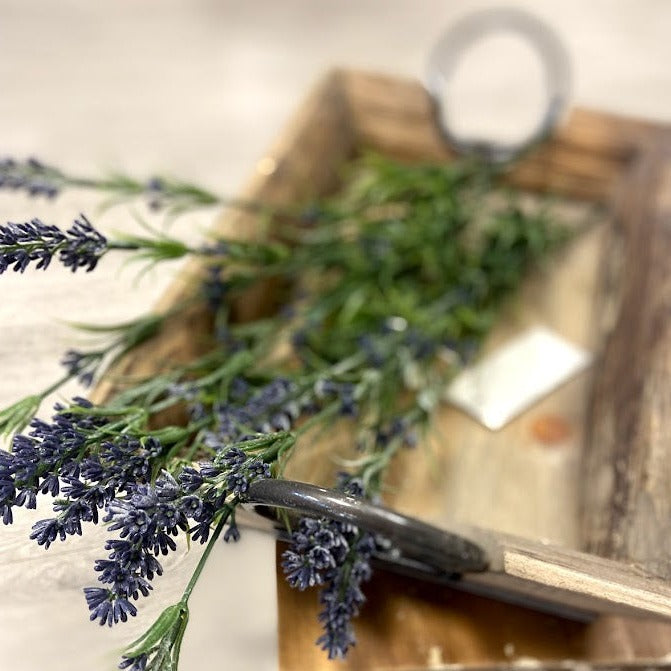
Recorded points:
627,511
627,463
574,580
584,159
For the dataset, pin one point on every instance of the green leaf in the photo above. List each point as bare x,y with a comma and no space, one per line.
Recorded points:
105,411
164,625
179,635
17,416
235,365
112,328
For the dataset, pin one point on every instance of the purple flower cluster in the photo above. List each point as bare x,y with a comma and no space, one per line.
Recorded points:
317,546
270,408
166,193
399,428
420,345
146,520
335,555
215,288
95,481
135,662
380,346
150,517
82,365
31,177
155,189
250,410
212,483
342,597
343,391
37,461
81,246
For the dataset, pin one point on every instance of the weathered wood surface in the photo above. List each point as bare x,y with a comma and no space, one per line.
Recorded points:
627,462
570,580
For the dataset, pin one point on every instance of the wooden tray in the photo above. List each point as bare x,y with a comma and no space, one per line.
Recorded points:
587,468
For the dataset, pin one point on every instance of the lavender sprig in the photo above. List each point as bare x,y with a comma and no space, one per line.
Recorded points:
158,649
30,176
117,340
334,555
70,459
86,366
147,520
39,460
81,246
36,178
389,289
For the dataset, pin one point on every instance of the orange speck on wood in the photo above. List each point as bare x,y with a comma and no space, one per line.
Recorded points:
550,429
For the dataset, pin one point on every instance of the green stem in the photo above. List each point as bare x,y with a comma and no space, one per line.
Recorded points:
378,462
199,197
329,411
203,559
57,385
196,445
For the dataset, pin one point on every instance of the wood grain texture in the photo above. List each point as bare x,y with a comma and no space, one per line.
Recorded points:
627,461
627,508
501,480
583,160
574,579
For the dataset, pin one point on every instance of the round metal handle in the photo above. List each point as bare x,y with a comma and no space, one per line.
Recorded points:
444,58
445,552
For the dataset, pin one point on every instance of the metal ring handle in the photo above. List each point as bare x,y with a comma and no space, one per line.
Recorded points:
443,62
446,552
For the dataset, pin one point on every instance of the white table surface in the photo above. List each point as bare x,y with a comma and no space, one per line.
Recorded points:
199,89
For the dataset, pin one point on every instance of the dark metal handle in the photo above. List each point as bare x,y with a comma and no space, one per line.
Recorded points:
445,552
444,58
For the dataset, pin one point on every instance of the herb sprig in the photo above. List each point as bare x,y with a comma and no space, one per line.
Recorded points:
396,279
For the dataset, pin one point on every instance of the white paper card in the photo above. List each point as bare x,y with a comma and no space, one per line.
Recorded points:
515,376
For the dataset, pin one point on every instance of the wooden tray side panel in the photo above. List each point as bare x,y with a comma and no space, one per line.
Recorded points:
585,158
627,508
626,512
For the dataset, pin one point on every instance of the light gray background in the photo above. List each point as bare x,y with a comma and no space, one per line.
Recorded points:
199,89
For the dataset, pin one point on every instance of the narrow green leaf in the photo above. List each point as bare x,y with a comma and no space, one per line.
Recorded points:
165,622
17,416
179,636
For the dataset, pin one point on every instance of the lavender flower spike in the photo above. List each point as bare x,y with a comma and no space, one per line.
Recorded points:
336,556
81,246
32,177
